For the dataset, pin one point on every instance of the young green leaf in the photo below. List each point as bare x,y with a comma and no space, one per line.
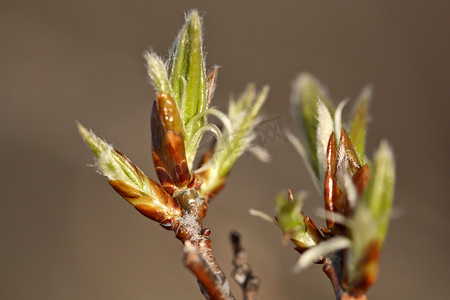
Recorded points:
186,70
237,138
324,129
380,191
358,126
306,91
158,73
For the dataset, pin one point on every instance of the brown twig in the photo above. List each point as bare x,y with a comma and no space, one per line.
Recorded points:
199,257
206,279
242,272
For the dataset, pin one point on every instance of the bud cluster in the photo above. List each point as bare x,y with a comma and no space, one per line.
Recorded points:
357,194
178,122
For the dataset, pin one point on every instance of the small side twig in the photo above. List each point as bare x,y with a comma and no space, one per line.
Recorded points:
242,272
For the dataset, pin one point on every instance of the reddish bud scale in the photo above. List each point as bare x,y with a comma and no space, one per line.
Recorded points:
160,206
339,162
331,190
361,178
347,152
313,231
169,154
211,85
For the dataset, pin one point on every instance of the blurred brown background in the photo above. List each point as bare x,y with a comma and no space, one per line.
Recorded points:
67,235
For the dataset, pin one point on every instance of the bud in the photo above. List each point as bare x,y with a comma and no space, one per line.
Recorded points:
369,224
130,182
300,229
169,155
379,195
186,71
344,174
183,77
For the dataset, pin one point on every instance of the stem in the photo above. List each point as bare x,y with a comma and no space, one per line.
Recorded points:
199,257
330,270
242,272
332,267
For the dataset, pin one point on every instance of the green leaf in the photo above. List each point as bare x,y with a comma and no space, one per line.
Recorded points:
306,92
380,192
358,125
158,73
338,120
324,129
242,115
288,212
186,70
192,146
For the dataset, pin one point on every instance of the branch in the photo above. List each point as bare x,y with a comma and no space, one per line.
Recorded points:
199,257
242,272
206,279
